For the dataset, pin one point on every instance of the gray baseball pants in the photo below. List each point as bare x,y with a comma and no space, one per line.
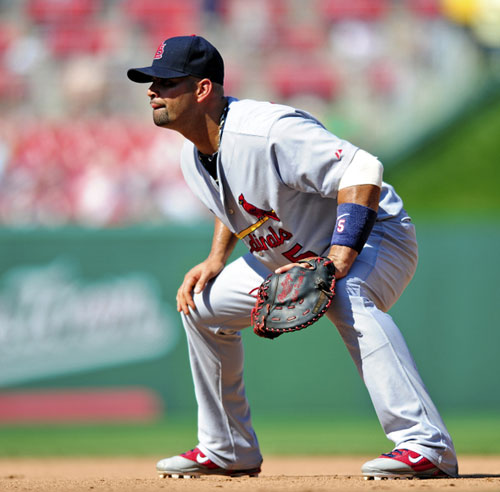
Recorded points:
359,311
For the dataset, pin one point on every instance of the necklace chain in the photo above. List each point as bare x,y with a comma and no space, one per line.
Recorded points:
209,161
221,123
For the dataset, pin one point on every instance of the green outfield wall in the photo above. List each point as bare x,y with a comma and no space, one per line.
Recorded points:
95,309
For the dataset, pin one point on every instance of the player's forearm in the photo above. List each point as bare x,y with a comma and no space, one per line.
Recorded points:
365,195
223,242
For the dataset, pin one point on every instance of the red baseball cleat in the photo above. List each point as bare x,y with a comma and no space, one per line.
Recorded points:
401,463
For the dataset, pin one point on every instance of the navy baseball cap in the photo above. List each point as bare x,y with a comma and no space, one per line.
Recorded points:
181,56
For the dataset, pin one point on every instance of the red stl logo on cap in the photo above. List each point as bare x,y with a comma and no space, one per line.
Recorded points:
159,51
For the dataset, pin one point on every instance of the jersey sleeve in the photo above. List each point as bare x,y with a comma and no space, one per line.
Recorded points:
307,156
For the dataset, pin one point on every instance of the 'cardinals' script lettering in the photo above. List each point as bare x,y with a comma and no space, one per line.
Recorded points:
272,240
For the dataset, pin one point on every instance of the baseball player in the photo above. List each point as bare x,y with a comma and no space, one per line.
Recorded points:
276,179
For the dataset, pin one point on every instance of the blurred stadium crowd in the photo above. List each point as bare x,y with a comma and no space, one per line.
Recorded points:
77,143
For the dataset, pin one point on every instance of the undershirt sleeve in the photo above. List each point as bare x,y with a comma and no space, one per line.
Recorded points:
364,169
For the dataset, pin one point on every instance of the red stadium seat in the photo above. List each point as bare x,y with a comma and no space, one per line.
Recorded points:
297,77
12,86
302,37
156,32
153,12
335,10
8,33
162,20
50,11
426,8
277,9
69,39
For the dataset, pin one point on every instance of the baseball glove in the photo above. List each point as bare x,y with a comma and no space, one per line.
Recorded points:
295,299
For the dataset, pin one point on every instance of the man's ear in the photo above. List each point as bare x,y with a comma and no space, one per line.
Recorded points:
204,88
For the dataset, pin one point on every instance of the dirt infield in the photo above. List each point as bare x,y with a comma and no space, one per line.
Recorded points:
279,474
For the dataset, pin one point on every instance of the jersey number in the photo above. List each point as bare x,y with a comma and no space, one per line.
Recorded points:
293,256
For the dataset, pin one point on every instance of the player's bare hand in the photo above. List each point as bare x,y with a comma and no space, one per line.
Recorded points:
195,281
343,257
289,266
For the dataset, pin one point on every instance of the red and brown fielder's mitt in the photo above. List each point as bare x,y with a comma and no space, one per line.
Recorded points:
295,299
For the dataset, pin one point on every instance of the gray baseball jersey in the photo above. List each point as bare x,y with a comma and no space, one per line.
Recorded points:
279,170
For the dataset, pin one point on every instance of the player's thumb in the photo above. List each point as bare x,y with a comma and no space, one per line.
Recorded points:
285,268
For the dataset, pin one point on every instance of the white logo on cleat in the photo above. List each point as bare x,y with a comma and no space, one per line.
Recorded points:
201,459
415,460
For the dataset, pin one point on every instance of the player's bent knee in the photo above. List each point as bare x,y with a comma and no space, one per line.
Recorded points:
351,299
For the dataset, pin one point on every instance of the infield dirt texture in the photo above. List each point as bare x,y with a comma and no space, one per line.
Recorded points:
279,474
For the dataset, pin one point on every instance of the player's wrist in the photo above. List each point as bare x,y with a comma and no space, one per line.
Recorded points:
353,226
343,257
